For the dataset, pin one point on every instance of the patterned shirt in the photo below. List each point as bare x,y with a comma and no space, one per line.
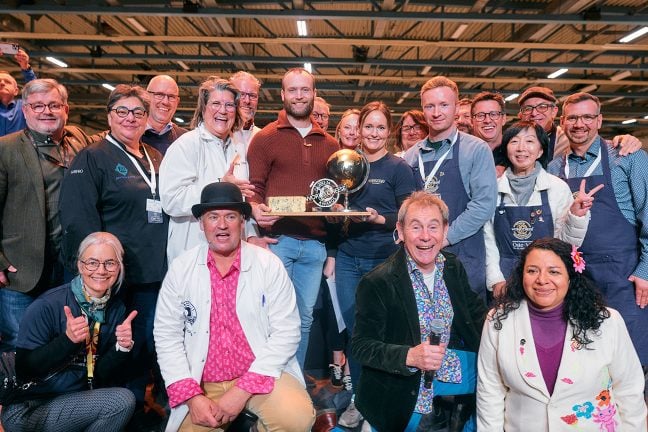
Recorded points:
629,176
229,355
433,303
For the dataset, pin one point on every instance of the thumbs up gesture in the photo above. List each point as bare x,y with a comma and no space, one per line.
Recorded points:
76,329
124,333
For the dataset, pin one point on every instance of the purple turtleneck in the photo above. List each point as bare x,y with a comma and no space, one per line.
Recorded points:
548,329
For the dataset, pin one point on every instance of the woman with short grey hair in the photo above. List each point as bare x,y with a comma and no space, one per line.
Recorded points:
72,343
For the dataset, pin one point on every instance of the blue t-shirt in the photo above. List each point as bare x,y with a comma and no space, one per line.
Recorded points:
390,180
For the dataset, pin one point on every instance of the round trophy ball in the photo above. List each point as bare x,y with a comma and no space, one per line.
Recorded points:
348,168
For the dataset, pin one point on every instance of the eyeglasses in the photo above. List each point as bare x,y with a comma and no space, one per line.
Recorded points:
39,107
494,115
585,118
541,108
321,116
410,129
159,96
251,96
93,265
122,112
229,106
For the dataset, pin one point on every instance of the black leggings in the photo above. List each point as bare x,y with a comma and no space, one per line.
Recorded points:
101,410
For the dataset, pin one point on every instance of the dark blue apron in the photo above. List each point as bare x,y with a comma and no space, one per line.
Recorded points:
472,250
517,226
611,252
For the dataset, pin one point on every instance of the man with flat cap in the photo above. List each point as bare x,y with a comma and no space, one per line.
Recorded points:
227,328
538,104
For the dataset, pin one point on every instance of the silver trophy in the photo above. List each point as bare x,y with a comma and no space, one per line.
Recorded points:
347,171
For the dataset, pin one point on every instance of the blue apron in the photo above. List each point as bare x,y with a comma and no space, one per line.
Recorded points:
471,251
517,226
611,252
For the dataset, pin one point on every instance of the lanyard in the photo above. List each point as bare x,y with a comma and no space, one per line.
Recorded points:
430,177
91,351
48,157
590,170
152,182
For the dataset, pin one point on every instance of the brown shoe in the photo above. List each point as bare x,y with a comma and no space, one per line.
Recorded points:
325,421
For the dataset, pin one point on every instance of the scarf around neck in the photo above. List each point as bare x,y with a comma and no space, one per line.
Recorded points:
522,186
94,308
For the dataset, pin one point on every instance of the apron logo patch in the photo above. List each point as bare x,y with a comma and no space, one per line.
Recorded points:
433,185
522,230
121,169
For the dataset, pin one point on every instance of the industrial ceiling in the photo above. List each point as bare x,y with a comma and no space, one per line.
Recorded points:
359,50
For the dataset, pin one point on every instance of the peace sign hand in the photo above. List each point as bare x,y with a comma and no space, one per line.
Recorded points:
583,200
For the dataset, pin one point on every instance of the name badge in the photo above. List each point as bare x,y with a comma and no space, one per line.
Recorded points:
154,211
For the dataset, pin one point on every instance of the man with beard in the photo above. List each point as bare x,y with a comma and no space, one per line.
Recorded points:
615,247
463,119
285,157
161,132
538,104
32,164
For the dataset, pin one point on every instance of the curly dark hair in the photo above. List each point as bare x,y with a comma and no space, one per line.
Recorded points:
584,306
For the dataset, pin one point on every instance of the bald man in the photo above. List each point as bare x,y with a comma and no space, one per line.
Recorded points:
161,132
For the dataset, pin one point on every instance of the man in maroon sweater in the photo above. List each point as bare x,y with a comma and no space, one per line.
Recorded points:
284,158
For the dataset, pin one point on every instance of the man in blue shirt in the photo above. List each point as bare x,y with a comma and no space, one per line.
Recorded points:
11,115
615,247
460,168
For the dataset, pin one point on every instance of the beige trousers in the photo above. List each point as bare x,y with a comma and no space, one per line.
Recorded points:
288,408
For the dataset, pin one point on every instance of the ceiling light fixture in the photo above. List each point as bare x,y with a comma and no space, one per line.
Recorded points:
56,61
510,97
629,121
634,35
178,120
308,67
138,26
457,33
646,117
108,86
183,65
301,28
620,76
557,73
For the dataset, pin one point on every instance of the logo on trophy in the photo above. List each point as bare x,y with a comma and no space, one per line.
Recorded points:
347,171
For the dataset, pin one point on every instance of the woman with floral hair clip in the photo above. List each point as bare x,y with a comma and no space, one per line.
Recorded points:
553,356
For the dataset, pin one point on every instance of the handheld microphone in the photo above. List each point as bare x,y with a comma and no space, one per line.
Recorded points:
436,326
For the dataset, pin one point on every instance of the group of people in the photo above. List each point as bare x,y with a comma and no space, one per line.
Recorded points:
152,245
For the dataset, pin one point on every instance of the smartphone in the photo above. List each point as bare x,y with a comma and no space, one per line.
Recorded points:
9,48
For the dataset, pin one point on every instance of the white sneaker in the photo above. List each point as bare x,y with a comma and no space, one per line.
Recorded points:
346,383
350,418
366,427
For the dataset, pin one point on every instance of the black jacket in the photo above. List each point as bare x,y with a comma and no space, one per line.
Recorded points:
387,325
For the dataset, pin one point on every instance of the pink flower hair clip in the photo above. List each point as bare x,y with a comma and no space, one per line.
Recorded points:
577,258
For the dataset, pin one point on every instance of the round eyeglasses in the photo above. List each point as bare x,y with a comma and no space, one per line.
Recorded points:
40,107
93,265
494,115
541,108
122,112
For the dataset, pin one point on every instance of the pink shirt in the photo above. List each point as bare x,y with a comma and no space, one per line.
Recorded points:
229,355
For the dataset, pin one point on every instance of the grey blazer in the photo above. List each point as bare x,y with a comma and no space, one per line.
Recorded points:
23,219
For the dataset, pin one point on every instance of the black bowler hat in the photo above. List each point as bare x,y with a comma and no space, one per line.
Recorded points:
221,195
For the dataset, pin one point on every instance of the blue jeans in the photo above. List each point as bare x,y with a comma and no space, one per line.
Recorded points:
348,272
13,305
304,261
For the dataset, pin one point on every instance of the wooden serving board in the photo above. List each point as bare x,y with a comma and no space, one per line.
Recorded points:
319,213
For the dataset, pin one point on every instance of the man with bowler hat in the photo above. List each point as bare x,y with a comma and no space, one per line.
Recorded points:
227,328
